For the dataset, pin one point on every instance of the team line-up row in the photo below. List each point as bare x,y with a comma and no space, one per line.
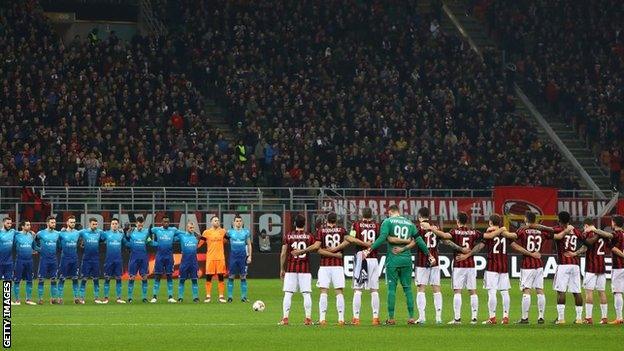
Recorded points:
46,243
400,235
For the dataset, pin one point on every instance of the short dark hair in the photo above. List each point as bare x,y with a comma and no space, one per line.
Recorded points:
332,217
564,217
213,217
114,220
393,208
300,221
618,220
50,218
7,219
588,221
71,217
92,219
462,217
23,224
237,216
423,212
140,219
496,219
165,217
367,212
530,216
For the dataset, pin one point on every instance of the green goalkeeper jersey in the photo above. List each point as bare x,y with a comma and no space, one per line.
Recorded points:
401,228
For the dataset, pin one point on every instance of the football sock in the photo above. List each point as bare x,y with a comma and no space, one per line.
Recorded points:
169,285
194,288
579,312
340,304
474,306
589,308
526,303
130,288
541,305
375,303
181,288
618,302
307,304
243,287
322,306
457,304
506,303
286,304
421,304
492,302
106,287
357,303
604,308
560,312
437,303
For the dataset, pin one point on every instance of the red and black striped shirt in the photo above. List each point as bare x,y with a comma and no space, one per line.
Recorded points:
618,241
297,240
465,237
367,231
569,243
431,240
497,260
531,240
330,237
595,257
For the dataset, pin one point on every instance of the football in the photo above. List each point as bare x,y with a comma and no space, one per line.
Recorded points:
258,306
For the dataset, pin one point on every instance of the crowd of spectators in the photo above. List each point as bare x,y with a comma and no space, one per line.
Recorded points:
570,56
337,93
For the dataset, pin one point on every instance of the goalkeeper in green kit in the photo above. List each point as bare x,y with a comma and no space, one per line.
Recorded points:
397,231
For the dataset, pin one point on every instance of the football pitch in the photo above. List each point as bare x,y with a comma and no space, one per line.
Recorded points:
235,326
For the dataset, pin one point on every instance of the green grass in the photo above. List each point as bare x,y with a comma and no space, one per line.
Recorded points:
190,326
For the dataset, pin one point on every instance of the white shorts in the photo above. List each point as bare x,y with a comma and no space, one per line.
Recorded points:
532,278
374,271
294,282
495,280
595,281
568,279
465,278
331,275
428,276
617,280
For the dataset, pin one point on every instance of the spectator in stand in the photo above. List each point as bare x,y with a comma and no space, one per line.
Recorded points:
264,241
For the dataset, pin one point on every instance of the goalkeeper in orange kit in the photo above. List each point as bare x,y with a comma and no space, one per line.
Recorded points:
214,237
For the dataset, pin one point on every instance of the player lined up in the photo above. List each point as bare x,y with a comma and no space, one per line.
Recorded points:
401,236
48,241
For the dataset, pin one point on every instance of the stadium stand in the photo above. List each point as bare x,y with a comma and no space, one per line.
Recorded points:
334,94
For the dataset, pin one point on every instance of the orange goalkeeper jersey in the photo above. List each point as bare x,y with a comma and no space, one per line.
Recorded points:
214,239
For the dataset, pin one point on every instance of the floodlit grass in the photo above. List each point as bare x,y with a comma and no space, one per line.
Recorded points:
214,326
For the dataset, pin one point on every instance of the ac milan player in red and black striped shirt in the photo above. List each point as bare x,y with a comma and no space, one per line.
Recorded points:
363,234
497,271
568,276
596,245
617,269
529,244
331,270
295,268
